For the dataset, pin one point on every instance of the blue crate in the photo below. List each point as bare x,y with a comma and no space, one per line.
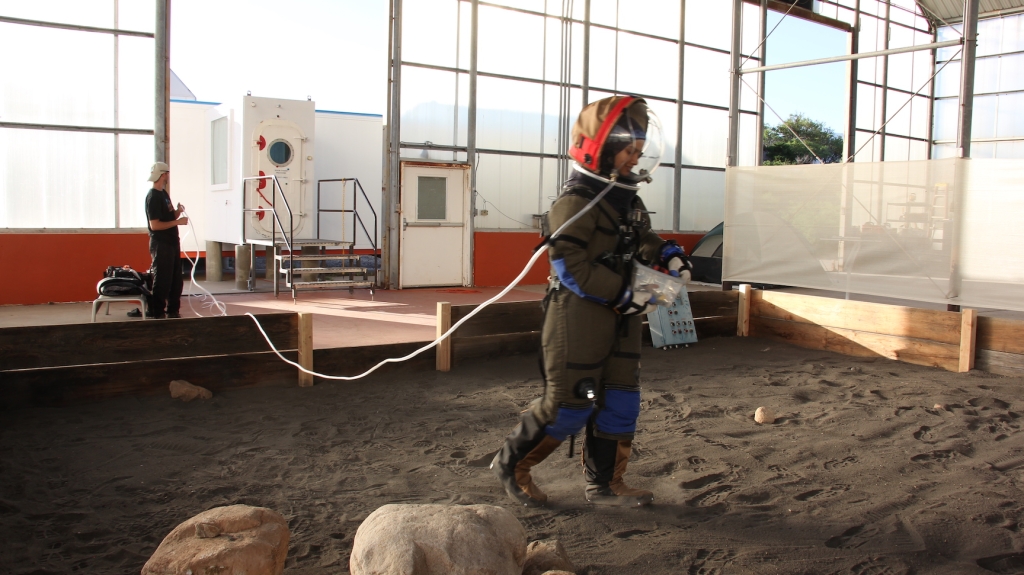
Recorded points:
672,326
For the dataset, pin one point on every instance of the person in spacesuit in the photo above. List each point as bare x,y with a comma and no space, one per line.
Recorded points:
592,324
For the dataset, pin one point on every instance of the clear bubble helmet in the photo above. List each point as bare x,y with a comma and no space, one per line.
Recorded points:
618,137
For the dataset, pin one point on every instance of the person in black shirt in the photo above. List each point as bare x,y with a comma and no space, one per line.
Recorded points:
164,247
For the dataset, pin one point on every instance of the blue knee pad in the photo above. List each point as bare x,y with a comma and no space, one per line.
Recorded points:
620,412
569,421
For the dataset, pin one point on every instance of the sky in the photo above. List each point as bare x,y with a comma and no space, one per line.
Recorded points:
818,92
335,51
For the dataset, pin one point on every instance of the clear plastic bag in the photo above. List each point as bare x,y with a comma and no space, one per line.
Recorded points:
664,289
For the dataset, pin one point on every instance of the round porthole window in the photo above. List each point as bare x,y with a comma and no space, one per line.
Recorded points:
280,153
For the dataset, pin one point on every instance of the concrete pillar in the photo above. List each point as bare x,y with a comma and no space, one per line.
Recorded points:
214,262
269,253
242,266
310,251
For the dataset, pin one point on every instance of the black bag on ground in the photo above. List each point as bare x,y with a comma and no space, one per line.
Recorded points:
123,280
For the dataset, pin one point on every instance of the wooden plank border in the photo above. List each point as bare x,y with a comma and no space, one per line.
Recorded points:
444,348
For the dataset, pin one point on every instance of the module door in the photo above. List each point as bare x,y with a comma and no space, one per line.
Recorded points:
278,149
434,245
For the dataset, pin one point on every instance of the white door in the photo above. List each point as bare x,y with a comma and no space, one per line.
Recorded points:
434,245
278,150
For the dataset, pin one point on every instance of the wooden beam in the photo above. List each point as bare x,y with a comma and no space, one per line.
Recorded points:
93,343
743,311
67,385
305,348
968,338
1002,363
444,348
998,334
500,317
859,343
713,303
926,324
496,345
355,360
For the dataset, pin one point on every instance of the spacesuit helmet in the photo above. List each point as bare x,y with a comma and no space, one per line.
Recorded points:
618,136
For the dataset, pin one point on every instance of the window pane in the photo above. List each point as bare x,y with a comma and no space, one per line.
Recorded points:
508,188
219,151
709,24
648,66
97,13
945,117
1011,75
657,196
135,157
508,115
428,107
990,33
1011,120
983,123
431,198
706,77
704,134
499,31
1013,33
135,82
137,16
702,200
657,17
77,87
429,33
56,179
947,82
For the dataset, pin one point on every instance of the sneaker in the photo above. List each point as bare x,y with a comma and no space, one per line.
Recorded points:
135,313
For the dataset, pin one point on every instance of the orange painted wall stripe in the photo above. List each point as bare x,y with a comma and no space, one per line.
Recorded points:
500,256
64,267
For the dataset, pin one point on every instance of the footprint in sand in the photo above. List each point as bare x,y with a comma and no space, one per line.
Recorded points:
937,455
702,481
840,463
875,566
817,494
984,403
711,561
923,434
1007,563
852,538
712,496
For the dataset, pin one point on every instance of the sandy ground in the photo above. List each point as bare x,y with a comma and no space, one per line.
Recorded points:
861,474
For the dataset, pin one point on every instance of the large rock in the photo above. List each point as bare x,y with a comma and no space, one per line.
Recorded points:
185,391
439,540
545,556
224,540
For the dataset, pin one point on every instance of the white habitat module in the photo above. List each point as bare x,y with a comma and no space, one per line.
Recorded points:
277,139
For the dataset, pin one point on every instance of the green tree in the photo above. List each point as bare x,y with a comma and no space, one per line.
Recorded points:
782,148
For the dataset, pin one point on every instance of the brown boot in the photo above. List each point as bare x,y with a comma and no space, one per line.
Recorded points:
605,463
525,447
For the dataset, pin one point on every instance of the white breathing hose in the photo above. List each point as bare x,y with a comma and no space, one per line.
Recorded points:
214,303
611,183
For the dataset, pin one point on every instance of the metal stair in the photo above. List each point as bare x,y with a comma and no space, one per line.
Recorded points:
305,263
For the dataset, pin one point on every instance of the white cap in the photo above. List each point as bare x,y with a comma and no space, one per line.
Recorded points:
158,170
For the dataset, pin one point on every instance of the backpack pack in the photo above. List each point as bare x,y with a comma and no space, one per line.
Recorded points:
123,280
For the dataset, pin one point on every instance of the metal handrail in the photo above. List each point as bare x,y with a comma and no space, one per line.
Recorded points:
273,235
356,218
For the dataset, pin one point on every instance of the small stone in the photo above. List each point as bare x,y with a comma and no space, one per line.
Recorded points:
939,406
207,530
412,539
558,572
764,415
256,544
185,391
547,556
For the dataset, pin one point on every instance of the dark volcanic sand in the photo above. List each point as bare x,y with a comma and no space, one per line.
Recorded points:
860,475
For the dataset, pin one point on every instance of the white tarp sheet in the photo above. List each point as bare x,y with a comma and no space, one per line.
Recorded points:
938,230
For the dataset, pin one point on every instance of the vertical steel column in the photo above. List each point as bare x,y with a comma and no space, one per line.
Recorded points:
677,172
732,156
852,71
586,52
392,196
963,142
885,91
471,133
761,81
162,93
117,137
967,60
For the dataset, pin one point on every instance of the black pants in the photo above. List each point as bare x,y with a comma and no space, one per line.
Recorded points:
167,277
